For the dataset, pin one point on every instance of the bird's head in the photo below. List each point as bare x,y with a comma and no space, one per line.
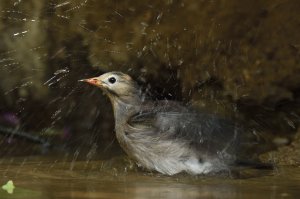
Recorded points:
116,85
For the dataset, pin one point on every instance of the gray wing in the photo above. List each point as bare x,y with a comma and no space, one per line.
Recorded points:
205,132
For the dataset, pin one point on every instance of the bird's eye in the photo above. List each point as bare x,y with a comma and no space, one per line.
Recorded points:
112,80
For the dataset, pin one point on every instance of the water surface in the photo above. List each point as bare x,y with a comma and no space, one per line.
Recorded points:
42,177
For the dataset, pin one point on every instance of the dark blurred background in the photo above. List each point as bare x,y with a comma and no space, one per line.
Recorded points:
235,58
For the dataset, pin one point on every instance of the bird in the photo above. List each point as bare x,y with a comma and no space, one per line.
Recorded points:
168,136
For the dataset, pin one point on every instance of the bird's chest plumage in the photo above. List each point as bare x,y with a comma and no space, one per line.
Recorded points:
121,113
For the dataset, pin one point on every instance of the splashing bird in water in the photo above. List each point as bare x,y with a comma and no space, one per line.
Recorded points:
167,136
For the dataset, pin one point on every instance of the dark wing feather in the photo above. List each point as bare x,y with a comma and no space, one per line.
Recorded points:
204,131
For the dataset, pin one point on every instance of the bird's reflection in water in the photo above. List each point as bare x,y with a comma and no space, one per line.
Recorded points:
178,190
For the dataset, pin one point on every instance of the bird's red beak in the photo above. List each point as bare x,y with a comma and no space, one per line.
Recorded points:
92,81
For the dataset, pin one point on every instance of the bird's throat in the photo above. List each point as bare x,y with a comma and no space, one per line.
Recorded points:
123,109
